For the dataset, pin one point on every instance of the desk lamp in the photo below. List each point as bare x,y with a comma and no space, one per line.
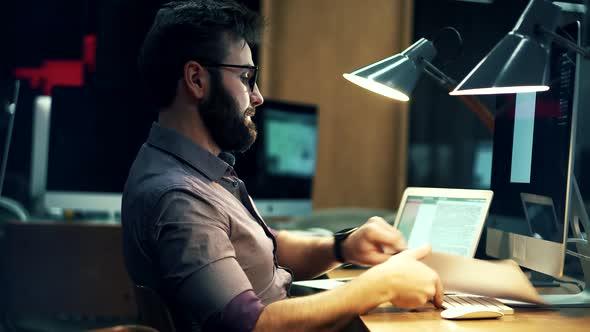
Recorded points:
395,77
8,205
518,63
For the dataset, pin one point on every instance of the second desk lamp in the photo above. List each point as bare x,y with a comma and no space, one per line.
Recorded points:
396,76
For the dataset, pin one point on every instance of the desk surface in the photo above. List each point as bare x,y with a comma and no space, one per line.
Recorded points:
523,320
387,318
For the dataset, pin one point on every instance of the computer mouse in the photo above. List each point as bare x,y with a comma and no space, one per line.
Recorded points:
470,313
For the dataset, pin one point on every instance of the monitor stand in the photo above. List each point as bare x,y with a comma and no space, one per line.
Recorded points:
543,280
579,217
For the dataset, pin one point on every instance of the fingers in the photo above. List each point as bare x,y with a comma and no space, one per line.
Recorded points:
374,258
417,253
439,293
385,235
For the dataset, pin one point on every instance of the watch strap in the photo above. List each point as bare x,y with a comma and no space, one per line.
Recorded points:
339,237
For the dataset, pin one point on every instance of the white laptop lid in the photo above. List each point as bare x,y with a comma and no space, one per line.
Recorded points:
451,220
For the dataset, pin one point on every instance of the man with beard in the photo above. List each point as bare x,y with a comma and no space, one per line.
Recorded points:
192,233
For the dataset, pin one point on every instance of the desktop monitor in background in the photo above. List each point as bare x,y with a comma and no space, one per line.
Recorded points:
83,149
279,168
532,171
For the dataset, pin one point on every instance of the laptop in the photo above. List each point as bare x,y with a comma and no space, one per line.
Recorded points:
451,220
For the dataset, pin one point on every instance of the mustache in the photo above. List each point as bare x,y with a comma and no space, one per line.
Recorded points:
250,111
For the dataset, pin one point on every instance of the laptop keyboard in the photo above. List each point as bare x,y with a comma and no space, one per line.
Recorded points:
453,301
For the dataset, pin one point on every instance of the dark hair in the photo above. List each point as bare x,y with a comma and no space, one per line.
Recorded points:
197,30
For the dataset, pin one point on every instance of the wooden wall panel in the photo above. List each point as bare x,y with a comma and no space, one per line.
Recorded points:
307,46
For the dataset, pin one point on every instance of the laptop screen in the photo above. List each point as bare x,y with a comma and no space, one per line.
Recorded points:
449,224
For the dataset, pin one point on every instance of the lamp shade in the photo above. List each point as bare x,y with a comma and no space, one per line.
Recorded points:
396,76
518,63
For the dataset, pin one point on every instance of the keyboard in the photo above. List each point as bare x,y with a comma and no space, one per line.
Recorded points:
453,301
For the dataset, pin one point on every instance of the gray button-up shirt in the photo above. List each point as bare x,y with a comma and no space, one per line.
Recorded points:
192,232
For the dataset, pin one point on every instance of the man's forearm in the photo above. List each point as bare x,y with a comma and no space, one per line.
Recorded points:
326,311
307,257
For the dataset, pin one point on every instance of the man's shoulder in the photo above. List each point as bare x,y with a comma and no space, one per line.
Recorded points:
155,173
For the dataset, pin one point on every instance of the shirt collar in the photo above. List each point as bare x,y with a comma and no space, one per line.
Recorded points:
172,142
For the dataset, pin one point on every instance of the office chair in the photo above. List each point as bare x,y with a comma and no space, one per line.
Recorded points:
126,328
152,310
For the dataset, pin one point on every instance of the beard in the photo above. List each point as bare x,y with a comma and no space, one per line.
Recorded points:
226,123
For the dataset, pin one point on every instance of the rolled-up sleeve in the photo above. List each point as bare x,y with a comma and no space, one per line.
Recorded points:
196,259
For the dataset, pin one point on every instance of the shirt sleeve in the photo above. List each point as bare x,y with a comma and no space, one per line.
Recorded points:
195,257
240,315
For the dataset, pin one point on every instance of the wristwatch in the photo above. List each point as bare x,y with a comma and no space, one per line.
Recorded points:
338,238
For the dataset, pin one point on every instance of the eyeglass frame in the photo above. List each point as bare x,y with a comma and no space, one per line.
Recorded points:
251,81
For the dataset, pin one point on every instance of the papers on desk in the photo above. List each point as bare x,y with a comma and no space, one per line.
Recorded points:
500,279
322,284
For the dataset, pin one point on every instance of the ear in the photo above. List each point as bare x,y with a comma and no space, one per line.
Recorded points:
196,79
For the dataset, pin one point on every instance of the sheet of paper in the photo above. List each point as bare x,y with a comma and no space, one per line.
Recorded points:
322,284
500,279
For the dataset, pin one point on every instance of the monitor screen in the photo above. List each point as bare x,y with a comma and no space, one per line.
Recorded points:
91,144
458,222
290,144
83,158
532,162
279,167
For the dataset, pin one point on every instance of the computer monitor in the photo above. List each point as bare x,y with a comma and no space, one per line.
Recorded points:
82,151
279,168
534,187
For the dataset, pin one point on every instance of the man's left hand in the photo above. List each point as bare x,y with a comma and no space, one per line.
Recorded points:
373,243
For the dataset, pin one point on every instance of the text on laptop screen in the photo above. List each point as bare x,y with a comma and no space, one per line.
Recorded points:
448,224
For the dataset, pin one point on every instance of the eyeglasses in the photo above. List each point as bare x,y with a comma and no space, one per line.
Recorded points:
252,72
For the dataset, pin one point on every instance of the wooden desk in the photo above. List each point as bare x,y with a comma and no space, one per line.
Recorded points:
523,320
387,318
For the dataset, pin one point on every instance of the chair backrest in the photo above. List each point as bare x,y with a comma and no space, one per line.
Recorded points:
152,310
126,328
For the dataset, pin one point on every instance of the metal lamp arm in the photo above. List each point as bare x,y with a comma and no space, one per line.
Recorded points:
564,41
474,104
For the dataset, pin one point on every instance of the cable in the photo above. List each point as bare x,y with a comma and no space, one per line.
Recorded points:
575,254
437,36
11,109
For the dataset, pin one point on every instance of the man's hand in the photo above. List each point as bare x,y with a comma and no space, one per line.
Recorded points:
373,243
405,281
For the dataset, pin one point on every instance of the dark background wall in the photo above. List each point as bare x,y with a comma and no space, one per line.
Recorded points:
444,134
33,31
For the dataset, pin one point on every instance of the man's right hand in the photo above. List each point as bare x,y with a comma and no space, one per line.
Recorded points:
405,281
402,280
